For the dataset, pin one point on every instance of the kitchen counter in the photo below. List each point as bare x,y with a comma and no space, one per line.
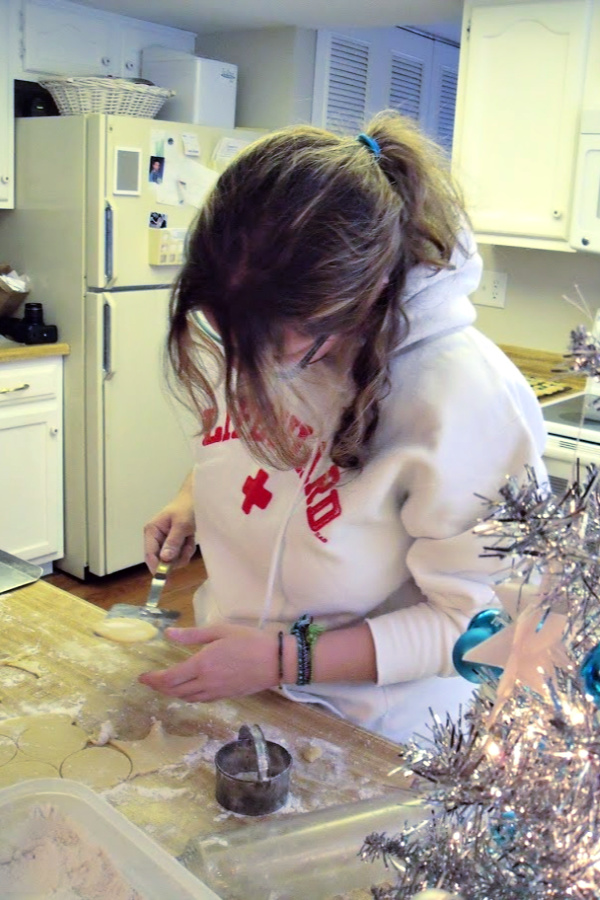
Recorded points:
543,364
96,681
11,351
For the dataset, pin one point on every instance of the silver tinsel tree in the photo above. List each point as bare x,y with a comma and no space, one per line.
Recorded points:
512,789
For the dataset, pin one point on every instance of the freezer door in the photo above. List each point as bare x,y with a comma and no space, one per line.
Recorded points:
147,180
139,437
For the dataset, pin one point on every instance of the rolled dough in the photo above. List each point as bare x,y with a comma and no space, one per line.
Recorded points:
51,741
8,749
159,749
98,767
126,631
21,768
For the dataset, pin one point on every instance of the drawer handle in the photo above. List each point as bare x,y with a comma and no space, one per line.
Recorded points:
11,390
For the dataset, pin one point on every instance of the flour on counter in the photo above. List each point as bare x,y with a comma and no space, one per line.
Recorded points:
49,856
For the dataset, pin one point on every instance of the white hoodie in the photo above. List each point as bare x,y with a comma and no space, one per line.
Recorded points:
393,544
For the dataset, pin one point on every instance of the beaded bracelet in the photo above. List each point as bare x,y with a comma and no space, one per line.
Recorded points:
306,634
280,657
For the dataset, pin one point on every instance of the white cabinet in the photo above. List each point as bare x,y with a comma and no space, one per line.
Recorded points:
520,86
6,112
31,453
64,38
360,72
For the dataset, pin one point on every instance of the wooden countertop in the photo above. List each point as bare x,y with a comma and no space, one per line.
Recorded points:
96,681
544,364
11,351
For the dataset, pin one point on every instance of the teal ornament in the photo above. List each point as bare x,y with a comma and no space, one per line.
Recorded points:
590,672
475,672
505,830
487,618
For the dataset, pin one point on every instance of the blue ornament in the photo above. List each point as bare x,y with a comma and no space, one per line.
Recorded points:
475,672
505,830
487,618
590,672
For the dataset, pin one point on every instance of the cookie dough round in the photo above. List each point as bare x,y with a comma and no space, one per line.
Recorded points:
51,741
20,769
8,749
98,767
126,631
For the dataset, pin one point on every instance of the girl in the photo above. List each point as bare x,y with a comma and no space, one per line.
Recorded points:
352,419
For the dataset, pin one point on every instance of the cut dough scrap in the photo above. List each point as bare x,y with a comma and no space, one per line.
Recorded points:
126,631
15,727
311,752
158,749
51,741
98,767
8,749
20,769
23,661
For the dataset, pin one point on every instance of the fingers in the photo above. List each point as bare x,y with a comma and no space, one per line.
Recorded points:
194,635
168,539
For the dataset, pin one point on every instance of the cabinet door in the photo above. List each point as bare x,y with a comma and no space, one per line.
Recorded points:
520,94
6,114
136,36
30,483
67,39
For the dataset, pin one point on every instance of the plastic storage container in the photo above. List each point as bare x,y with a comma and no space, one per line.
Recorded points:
205,89
142,863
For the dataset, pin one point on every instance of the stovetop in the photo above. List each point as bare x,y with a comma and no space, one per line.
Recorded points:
570,418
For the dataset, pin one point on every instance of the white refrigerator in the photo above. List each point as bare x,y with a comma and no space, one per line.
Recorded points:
103,207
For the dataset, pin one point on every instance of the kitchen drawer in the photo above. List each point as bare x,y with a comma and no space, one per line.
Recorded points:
29,380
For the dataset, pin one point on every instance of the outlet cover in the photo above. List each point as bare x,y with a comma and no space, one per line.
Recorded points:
492,289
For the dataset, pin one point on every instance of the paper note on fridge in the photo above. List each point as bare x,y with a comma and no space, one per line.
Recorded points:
185,183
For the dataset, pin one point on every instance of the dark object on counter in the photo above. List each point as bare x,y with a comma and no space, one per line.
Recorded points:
253,774
31,99
31,329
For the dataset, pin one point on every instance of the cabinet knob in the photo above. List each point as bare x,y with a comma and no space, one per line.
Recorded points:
557,214
4,179
129,65
54,431
105,60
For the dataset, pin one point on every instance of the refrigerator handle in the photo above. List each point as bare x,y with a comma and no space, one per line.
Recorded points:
109,310
108,242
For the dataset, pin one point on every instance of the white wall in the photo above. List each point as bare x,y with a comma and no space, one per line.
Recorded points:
535,314
275,76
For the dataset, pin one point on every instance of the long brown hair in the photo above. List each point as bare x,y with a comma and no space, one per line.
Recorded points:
313,231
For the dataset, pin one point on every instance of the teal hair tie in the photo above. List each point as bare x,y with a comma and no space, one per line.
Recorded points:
370,143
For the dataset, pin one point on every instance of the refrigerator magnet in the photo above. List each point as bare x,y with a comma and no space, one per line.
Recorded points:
127,171
158,220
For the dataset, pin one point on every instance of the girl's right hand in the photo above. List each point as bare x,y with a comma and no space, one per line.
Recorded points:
170,535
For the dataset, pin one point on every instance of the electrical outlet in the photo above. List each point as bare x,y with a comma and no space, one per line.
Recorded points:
492,289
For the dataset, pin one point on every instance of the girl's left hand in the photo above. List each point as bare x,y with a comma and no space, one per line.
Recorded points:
234,660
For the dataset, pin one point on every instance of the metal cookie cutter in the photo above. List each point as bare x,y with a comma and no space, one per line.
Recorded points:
253,775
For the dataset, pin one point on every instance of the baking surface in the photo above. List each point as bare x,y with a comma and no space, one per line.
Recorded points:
96,682
546,367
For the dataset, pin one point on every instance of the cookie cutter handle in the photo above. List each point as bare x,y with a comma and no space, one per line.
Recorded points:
254,734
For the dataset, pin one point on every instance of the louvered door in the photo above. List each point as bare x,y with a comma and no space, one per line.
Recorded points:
341,82
440,122
361,71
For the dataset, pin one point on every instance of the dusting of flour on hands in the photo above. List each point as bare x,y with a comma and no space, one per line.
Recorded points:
48,856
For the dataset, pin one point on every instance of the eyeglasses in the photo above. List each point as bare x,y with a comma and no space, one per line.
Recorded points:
205,326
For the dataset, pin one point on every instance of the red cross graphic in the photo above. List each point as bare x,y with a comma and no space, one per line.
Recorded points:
255,492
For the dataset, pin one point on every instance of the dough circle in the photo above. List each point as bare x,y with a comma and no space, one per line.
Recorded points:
98,767
51,741
21,769
8,749
126,631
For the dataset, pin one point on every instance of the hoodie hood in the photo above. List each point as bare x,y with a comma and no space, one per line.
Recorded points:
436,302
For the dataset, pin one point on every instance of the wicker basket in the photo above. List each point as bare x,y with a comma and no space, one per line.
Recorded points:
76,96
